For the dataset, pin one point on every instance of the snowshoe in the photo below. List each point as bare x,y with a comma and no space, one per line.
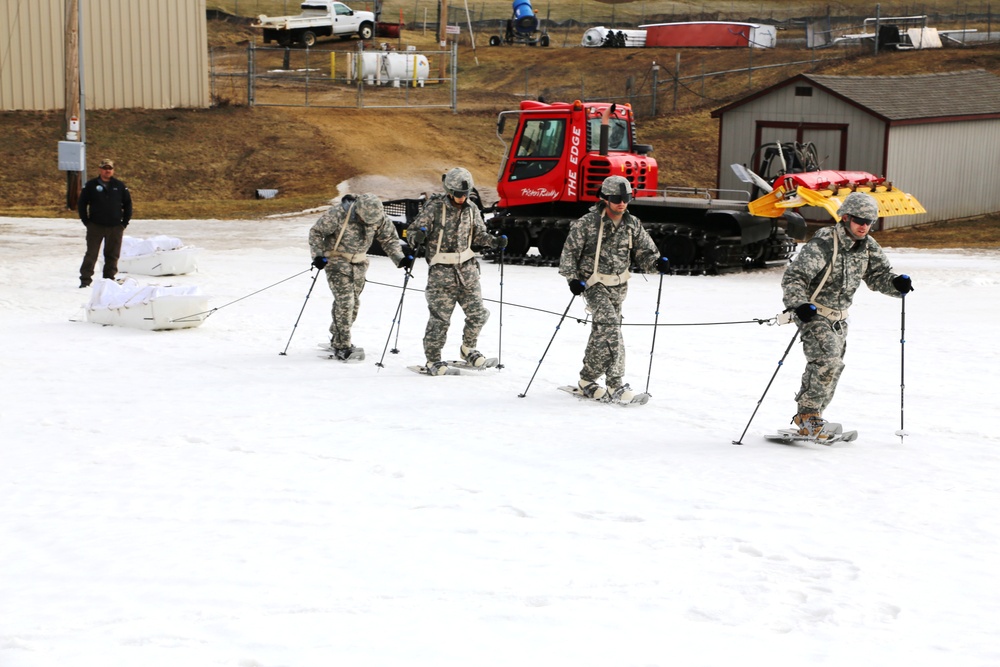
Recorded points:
346,354
472,357
435,368
488,362
625,395
601,395
833,433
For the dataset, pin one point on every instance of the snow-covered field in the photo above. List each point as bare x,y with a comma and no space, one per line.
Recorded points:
195,498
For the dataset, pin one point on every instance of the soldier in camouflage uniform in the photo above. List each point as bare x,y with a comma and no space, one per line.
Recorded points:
819,286
600,248
448,226
339,242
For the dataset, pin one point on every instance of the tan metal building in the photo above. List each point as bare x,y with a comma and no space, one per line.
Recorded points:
937,136
150,54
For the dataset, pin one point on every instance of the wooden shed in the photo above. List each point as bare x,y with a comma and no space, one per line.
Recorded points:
936,136
136,54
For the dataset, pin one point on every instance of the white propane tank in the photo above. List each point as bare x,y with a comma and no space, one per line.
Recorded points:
391,68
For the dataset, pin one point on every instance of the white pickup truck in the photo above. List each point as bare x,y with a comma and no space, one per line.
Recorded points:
319,18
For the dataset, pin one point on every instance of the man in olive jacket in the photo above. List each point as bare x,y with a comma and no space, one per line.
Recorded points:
105,209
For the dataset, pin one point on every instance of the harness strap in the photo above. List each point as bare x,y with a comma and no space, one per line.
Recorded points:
333,251
609,279
353,258
824,311
459,257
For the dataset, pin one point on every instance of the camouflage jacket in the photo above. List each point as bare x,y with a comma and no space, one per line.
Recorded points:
457,228
357,237
856,261
577,259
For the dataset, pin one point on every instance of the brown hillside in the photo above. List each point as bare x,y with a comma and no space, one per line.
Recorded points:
208,163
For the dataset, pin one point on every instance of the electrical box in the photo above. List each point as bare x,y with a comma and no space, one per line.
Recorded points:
72,156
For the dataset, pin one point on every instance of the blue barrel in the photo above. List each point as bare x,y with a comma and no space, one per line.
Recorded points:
524,20
522,8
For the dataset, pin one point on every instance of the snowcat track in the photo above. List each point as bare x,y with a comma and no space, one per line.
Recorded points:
692,251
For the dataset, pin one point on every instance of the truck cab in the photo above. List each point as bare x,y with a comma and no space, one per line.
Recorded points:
318,18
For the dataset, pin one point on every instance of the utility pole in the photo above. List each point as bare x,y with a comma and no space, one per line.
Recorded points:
71,94
443,36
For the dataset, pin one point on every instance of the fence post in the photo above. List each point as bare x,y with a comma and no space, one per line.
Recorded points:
878,22
454,77
250,73
677,78
656,72
360,71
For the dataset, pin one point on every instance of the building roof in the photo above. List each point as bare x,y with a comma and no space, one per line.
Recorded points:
906,98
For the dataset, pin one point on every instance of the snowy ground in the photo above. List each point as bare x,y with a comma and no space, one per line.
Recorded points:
195,498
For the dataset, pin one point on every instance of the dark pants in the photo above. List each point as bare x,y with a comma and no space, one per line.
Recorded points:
111,237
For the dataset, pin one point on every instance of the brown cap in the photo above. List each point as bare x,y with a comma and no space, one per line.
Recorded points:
107,163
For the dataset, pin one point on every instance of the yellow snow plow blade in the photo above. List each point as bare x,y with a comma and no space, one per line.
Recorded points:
770,205
890,201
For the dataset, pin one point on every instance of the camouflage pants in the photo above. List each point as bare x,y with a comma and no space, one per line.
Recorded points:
448,285
346,281
605,353
824,344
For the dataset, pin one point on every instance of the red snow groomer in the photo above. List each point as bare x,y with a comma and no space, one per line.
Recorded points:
556,158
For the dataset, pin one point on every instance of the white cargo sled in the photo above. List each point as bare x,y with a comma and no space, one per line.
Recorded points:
157,256
153,307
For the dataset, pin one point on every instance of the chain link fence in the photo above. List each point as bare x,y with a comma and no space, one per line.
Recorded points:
359,78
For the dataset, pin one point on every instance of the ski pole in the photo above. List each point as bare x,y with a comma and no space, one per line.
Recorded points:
500,335
656,321
284,353
902,359
790,343
399,310
547,347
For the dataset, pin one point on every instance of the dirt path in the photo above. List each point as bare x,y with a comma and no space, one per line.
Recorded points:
401,153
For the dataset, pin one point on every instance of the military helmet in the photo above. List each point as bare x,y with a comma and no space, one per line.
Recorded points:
458,182
616,185
347,201
859,205
369,208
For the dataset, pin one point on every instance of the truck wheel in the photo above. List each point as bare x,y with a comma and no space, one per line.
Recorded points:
309,38
495,40
544,41
366,31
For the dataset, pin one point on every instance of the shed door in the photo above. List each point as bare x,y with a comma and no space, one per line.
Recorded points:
831,148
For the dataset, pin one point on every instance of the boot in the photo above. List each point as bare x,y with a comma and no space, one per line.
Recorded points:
591,389
472,357
810,425
343,353
622,394
436,368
